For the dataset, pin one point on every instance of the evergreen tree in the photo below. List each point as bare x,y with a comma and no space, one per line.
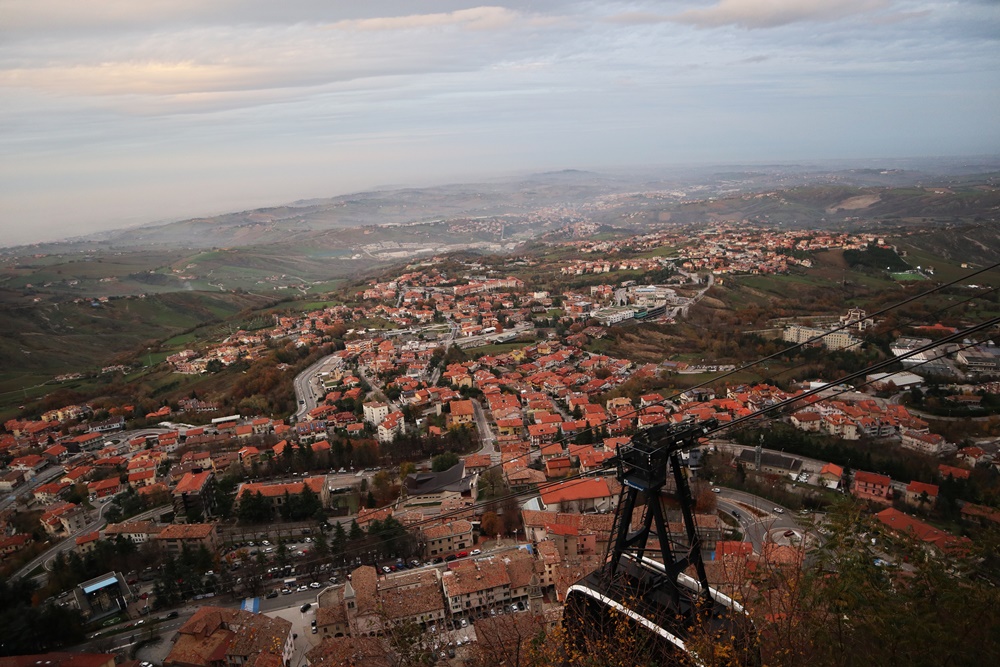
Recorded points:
309,503
286,507
356,532
254,508
320,545
339,539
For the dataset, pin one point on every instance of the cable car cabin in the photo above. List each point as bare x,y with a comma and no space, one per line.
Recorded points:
651,605
638,605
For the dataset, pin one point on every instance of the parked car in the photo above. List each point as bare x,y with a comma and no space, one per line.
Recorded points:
778,510
314,584
716,489
306,607
272,594
475,552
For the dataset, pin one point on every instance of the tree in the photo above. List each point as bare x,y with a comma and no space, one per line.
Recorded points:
286,507
356,533
281,553
395,540
320,544
254,508
339,541
510,514
224,496
370,501
444,461
381,485
491,483
490,525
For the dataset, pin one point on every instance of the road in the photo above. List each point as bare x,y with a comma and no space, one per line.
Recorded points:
69,543
756,523
683,310
452,335
43,477
486,436
307,388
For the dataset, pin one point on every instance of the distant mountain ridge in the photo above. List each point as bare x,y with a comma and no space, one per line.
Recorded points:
801,195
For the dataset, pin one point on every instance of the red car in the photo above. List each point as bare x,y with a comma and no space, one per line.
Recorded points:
463,554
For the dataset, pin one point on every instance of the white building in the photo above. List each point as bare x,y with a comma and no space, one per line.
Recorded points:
375,413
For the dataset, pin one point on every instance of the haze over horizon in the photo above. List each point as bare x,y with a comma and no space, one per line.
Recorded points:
118,112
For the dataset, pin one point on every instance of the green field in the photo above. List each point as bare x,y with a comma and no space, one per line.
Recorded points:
664,251
499,348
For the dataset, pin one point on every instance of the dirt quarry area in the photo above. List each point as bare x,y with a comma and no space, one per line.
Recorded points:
853,203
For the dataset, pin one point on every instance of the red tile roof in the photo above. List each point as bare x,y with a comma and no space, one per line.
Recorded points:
577,489
192,482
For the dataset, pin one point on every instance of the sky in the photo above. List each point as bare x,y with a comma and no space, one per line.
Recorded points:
121,112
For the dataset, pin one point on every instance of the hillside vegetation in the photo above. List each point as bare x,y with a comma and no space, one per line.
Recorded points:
39,341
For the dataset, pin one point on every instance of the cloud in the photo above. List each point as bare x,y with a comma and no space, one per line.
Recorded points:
638,18
31,15
752,14
899,17
205,67
475,18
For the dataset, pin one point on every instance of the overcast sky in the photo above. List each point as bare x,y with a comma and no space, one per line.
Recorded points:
116,112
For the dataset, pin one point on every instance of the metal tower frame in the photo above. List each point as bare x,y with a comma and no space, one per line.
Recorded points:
642,471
